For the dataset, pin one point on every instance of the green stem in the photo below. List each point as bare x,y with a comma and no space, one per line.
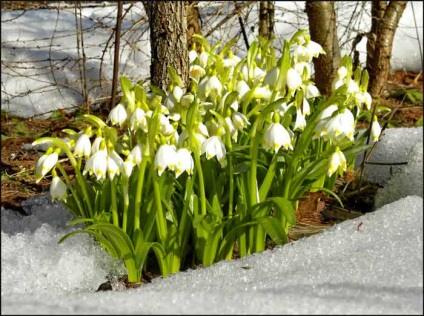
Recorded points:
201,183
74,192
113,206
231,176
253,171
160,217
126,205
139,193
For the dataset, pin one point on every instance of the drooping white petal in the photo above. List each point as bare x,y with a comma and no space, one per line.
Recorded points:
276,136
337,162
58,189
184,162
300,122
293,79
118,115
375,129
83,146
214,147
115,164
165,158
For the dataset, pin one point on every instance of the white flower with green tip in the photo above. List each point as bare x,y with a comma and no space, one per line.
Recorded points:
184,162
166,157
115,164
96,165
83,146
138,120
340,126
46,163
375,129
300,122
276,136
58,189
240,121
214,147
118,115
210,86
337,162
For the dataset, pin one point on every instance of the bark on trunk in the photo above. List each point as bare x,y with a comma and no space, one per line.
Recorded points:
168,41
266,19
323,30
385,19
193,26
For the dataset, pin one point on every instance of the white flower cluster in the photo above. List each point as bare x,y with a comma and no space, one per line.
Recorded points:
226,95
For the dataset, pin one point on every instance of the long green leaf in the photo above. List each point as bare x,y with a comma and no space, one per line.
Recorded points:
274,229
285,206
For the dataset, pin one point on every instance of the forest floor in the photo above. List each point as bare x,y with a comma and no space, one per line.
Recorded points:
316,212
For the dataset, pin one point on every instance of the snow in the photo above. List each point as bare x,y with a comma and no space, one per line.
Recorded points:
27,63
372,264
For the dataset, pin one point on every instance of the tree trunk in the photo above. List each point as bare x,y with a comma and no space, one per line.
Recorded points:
168,41
193,26
323,30
266,19
385,19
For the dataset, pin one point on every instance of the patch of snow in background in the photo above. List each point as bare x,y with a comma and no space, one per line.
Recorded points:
59,44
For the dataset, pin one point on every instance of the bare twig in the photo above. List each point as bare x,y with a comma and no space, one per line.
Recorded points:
116,58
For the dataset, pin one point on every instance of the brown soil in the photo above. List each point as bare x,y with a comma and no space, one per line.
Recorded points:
17,164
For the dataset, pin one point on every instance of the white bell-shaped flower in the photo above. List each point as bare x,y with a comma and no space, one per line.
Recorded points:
300,122
276,136
166,127
96,165
136,154
337,162
363,98
83,146
262,93
232,129
196,72
214,147
306,52
192,55
46,163
306,108
115,164
58,189
240,121
375,129
352,86
340,126
294,80
184,162
177,92
187,99
128,167
166,157
118,115
311,91
210,86
203,59
138,120
242,88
